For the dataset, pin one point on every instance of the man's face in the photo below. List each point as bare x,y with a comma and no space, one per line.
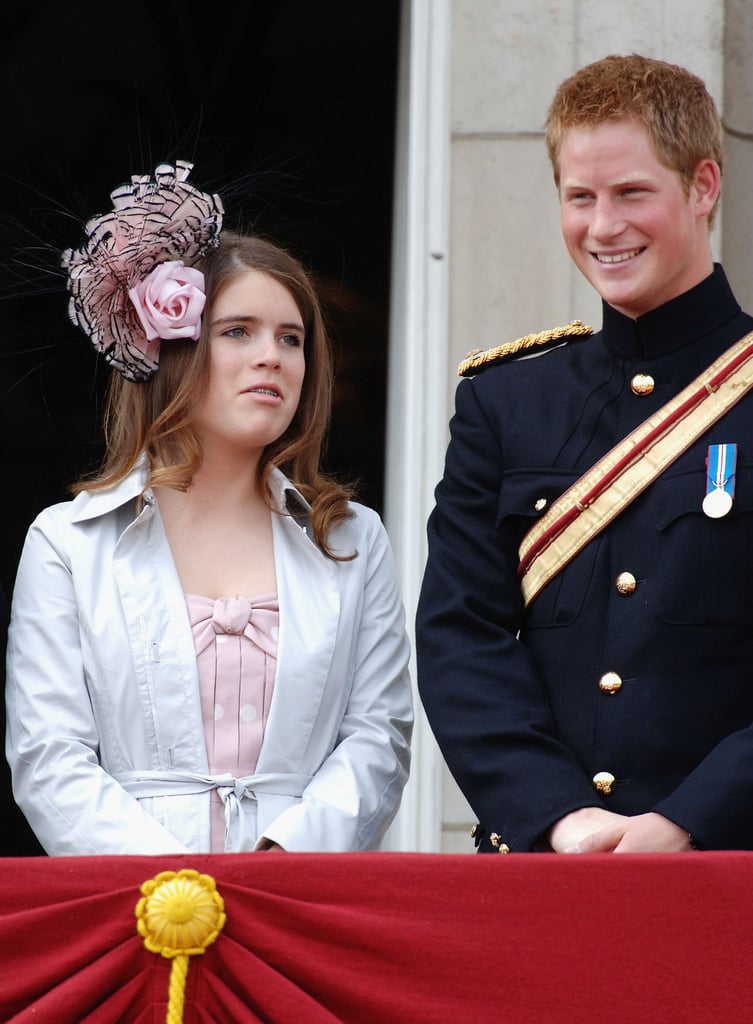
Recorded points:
627,222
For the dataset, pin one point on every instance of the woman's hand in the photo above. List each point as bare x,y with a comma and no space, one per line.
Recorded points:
267,844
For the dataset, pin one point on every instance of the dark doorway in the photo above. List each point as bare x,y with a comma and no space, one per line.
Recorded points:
286,108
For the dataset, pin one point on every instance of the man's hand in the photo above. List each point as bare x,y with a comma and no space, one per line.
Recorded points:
569,832
644,833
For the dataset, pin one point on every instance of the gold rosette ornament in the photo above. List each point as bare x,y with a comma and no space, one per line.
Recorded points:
180,915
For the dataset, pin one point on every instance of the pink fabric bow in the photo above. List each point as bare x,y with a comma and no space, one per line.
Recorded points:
237,616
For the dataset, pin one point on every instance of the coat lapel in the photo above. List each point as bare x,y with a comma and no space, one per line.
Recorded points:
309,600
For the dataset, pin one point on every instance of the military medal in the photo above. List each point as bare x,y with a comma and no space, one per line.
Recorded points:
720,480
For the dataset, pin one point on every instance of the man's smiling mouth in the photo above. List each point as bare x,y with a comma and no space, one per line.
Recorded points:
619,257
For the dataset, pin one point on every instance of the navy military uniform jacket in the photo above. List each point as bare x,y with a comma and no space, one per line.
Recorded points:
517,699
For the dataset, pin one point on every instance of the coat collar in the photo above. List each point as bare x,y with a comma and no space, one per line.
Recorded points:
686,319
93,504
286,498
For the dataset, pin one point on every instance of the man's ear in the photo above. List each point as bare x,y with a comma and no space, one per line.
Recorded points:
704,189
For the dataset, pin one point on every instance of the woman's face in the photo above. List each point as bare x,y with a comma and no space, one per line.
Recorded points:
256,365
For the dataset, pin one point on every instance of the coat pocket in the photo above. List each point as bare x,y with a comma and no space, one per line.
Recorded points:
524,497
705,569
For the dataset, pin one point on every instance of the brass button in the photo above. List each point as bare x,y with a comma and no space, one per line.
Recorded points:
474,831
540,504
610,682
496,841
604,782
625,583
642,384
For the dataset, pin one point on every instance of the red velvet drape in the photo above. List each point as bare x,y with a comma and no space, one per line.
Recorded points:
390,938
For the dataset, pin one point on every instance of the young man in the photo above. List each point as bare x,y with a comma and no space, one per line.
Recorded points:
608,704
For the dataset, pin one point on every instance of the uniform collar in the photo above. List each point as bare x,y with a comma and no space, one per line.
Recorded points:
286,498
677,323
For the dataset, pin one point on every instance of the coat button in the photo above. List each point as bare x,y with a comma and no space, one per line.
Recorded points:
610,682
642,384
497,843
604,782
540,504
625,583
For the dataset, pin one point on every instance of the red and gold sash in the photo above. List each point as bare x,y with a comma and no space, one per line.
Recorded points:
609,486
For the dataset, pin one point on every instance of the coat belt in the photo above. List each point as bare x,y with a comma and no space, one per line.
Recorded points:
231,790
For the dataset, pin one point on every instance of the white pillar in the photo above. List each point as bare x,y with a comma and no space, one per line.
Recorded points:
417,407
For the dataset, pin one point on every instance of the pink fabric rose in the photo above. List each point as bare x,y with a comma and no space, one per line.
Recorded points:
169,301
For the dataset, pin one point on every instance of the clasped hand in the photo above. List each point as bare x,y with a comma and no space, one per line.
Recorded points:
596,830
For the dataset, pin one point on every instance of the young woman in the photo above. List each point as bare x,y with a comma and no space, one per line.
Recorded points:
207,648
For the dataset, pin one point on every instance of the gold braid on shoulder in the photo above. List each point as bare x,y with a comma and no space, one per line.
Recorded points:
479,359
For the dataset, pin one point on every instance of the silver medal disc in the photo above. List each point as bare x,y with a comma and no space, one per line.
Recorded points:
717,503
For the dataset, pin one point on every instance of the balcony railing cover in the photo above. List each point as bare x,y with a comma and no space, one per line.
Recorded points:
387,938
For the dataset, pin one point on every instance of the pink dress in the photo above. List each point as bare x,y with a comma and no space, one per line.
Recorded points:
236,653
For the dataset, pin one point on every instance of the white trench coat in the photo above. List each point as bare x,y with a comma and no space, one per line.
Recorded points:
104,729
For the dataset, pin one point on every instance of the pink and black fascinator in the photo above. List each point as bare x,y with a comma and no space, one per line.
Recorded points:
130,285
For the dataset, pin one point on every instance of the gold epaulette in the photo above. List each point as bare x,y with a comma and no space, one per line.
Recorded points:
479,359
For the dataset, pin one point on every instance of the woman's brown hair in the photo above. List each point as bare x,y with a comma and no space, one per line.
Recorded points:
154,416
